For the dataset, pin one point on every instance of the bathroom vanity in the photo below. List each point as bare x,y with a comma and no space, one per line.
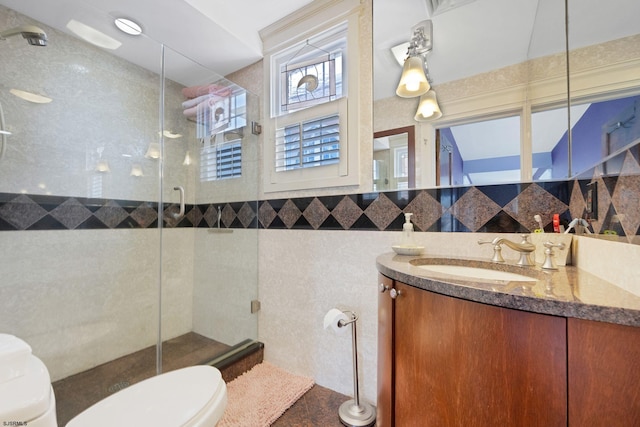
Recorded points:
541,348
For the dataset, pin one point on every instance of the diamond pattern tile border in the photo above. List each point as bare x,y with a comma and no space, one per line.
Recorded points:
467,209
495,208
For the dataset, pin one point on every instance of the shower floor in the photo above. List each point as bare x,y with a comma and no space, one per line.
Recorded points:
318,407
77,392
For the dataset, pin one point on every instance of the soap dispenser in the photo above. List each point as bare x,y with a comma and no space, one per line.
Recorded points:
407,245
407,231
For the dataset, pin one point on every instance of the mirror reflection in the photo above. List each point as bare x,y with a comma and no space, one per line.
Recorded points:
503,90
394,159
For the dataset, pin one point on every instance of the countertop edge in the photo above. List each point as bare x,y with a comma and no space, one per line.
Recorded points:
569,309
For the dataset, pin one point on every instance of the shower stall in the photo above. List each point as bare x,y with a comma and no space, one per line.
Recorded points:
128,222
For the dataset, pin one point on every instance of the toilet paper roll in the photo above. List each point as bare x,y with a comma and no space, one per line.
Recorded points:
332,318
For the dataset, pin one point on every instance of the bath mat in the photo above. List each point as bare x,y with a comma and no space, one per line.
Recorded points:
258,397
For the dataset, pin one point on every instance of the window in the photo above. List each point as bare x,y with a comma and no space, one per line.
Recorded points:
313,91
307,144
310,73
221,153
312,82
220,161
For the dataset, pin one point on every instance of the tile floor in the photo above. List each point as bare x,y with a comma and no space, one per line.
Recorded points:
317,408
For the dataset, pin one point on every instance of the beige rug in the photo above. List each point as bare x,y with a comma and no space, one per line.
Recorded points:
258,397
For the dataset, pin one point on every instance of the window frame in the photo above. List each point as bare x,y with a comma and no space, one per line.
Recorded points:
322,19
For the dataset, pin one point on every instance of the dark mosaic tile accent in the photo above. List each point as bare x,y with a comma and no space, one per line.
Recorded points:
111,214
382,211
144,215
266,214
495,208
626,198
195,216
474,209
289,213
426,210
71,213
22,212
316,213
228,215
534,200
501,194
347,212
246,214
210,216
577,204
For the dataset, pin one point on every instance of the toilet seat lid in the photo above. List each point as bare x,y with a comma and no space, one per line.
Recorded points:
171,399
26,397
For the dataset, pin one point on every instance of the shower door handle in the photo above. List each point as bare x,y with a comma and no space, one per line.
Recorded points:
181,213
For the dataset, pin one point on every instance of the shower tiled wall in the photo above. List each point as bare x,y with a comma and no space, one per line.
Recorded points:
492,208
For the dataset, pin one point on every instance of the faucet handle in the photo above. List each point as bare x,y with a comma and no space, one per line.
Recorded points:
525,237
551,245
497,250
549,264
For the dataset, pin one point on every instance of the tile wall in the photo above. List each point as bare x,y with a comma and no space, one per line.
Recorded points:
508,208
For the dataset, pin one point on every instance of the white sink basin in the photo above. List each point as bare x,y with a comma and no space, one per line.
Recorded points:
476,273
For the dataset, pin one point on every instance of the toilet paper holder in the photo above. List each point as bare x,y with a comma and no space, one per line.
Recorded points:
354,413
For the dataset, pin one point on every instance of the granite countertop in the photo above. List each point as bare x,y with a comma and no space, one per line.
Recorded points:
568,291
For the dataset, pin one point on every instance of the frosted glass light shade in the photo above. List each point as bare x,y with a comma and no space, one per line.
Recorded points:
413,81
136,170
153,152
103,166
428,108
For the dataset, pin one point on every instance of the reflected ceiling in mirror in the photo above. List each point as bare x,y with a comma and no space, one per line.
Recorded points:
482,47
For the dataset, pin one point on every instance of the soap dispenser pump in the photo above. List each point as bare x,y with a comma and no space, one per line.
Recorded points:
407,230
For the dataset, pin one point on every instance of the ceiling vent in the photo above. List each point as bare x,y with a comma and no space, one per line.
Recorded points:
436,7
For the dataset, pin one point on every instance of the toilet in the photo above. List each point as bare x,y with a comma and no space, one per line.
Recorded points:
26,395
190,397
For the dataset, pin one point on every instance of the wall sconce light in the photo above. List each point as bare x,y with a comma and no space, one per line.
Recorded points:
428,108
153,152
413,81
187,159
136,170
103,166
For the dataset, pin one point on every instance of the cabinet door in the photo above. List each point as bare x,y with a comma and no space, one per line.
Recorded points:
604,374
461,363
384,408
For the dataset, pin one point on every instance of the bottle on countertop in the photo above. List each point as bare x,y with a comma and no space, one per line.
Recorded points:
407,231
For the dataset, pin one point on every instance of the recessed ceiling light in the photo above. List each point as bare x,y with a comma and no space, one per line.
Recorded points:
128,26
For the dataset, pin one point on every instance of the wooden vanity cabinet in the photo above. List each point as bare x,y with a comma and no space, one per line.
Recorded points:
604,374
445,361
384,406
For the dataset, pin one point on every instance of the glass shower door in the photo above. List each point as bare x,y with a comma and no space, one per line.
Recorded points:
209,251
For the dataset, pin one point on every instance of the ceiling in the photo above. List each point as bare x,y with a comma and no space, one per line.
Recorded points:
223,36
478,36
217,34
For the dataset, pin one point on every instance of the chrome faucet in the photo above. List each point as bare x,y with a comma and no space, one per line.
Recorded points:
525,248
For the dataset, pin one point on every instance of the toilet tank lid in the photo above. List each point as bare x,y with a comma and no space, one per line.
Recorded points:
171,399
11,345
13,357
27,397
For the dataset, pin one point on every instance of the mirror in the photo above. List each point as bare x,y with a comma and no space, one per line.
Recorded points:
394,159
502,86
